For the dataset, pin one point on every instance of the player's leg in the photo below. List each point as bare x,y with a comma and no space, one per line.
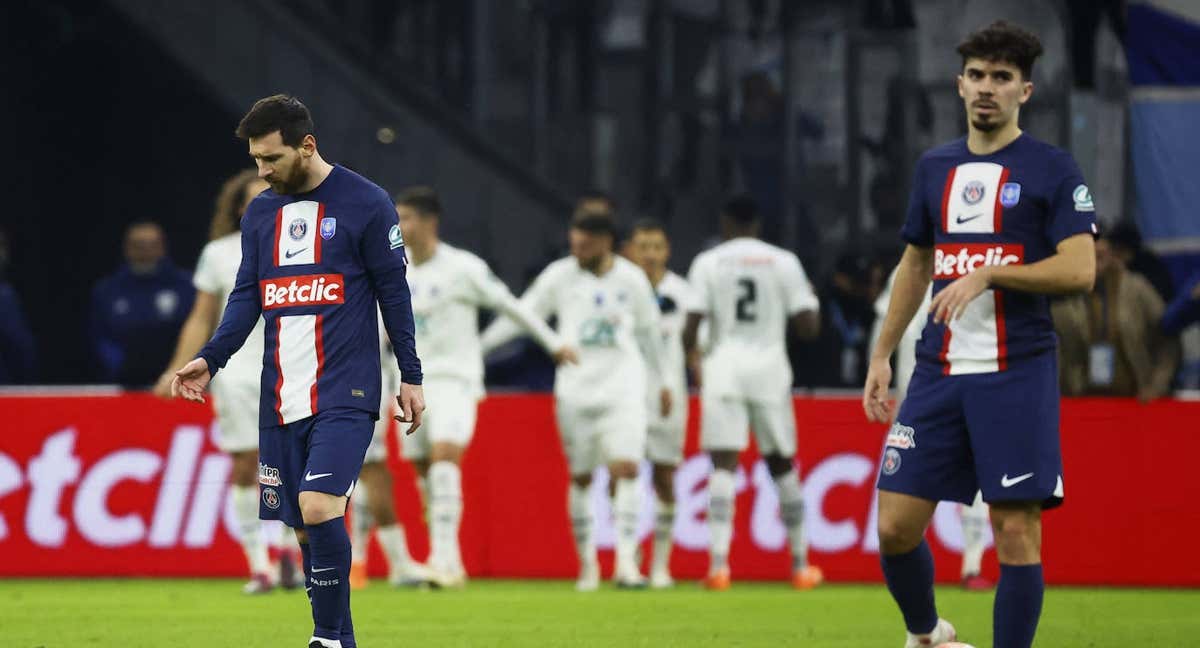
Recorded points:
724,433
362,520
974,524
450,427
236,407
908,565
664,449
1013,416
774,425
336,442
622,434
579,440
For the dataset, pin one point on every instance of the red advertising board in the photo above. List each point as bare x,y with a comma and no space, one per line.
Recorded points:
132,485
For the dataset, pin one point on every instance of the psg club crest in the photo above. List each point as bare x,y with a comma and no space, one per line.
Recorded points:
270,497
1010,194
891,461
297,229
973,192
328,228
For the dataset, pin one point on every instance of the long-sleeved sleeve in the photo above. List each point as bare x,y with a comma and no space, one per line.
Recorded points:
386,266
493,294
536,301
242,310
647,332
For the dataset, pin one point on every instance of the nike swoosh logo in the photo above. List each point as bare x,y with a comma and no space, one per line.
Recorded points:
1008,483
960,220
291,253
315,570
310,476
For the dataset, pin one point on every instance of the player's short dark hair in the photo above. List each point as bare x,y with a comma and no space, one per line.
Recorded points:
1003,42
647,225
424,200
741,209
283,113
595,222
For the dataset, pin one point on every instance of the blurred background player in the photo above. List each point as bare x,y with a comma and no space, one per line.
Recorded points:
236,390
998,220
753,293
320,382
650,249
138,310
606,309
449,286
974,516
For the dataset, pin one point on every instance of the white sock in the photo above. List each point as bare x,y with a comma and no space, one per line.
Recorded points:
445,513
395,545
720,517
360,524
974,522
580,508
791,510
245,511
664,526
626,505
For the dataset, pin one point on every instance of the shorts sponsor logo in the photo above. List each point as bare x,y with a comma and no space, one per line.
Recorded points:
270,497
304,290
974,192
298,229
951,260
1010,194
891,461
268,476
901,436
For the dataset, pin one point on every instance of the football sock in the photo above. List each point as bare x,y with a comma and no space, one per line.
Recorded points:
306,565
360,524
720,517
664,525
580,509
445,513
1018,606
245,512
626,506
347,637
974,523
791,510
395,545
910,580
329,575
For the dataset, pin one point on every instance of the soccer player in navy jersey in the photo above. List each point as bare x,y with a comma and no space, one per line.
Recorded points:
998,221
320,248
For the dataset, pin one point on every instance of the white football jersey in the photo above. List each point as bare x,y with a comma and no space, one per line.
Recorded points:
608,320
674,300
448,289
215,274
748,289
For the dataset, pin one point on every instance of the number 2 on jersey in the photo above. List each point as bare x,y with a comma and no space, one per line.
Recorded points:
747,294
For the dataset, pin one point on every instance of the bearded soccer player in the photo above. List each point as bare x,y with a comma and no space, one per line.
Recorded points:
998,221
320,248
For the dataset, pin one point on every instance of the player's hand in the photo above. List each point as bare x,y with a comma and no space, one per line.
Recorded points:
664,402
412,406
565,355
191,381
951,301
876,403
162,388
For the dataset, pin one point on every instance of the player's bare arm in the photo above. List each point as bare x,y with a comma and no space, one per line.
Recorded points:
1071,269
806,324
195,332
691,346
412,406
913,276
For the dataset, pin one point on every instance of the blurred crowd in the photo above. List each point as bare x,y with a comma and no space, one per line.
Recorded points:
1121,339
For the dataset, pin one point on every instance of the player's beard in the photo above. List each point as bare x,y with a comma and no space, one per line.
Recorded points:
292,183
985,125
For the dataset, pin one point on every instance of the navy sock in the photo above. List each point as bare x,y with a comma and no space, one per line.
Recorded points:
329,576
306,563
1018,606
348,640
910,580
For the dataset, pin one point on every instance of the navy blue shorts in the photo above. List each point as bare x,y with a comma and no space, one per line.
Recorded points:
996,432
322,453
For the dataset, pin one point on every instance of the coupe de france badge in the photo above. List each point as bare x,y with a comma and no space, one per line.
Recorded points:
328,228
1010,194
395,238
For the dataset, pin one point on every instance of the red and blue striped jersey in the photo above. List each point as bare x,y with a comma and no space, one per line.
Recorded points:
315,265
1013,206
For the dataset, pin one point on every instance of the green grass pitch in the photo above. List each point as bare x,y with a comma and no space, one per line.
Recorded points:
186,613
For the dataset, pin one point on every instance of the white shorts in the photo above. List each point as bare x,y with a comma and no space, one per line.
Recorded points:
665,436
724,423
450,412
597,436
236,404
